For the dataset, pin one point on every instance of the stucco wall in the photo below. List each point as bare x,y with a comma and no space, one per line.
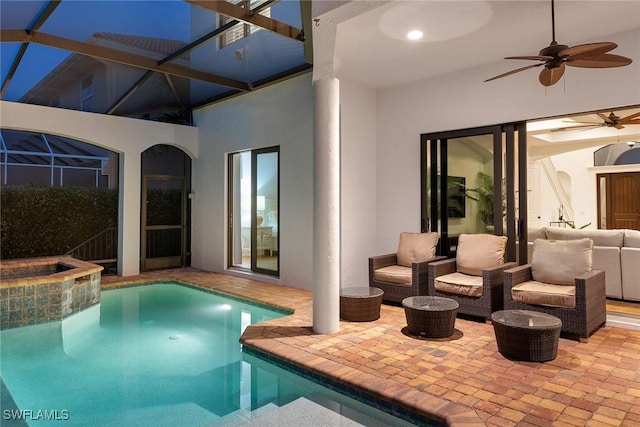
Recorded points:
128,137
279,115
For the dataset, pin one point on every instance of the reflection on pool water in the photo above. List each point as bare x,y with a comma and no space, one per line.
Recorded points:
160,354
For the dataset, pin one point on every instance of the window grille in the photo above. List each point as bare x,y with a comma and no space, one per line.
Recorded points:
241,30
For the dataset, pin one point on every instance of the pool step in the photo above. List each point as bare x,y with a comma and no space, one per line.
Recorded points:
302,412
241,417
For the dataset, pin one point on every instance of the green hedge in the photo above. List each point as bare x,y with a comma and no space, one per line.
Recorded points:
47,221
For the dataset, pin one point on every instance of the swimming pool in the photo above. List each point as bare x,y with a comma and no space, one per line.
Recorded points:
159,354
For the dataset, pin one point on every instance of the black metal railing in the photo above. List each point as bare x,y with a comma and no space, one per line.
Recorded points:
99,249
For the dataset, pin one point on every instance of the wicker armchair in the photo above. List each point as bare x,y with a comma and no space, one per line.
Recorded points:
404,273
580,304
474,279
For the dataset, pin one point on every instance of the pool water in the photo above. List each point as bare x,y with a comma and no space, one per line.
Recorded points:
154,355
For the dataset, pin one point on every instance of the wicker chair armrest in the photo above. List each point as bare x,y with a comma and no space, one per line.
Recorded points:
514,276
379,261
517,275
423,265
420,270
440,268
590,283
495,275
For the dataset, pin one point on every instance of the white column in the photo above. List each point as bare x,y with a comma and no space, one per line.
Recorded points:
326,211
129,215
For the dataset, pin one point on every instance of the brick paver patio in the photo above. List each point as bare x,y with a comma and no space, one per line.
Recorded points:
462,380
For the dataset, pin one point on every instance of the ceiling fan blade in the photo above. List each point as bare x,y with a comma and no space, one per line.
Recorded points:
550,76
605,60
583,123
581,127
629,122
514,71
618,126
589,49
630,117
607,119
532,57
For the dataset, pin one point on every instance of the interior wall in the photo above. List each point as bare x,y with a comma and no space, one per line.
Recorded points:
461,100
278,115
128,137
581,189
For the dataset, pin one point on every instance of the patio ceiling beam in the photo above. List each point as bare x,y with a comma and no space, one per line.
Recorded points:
130,92
250,17
188,48
174,90
114,55
35,25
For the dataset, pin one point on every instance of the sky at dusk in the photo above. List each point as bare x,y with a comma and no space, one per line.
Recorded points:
78,20
166,19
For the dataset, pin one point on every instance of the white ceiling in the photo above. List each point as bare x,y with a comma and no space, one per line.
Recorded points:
370,48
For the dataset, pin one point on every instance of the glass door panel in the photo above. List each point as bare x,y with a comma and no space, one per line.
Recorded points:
266,212
253,211
475,176
240,210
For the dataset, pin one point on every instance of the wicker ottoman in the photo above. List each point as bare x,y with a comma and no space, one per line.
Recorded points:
431,317
360,304
526,335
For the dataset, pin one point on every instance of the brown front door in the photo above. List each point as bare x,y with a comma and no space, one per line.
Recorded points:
622,200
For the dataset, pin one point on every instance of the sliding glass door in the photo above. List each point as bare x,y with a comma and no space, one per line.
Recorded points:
470,185
254,194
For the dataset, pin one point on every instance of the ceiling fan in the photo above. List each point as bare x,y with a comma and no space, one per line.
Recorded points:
612,120
556,56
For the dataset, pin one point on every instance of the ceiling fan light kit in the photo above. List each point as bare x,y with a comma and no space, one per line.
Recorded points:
556,57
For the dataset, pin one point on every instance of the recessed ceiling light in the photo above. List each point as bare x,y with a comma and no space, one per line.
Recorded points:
439,20
414,35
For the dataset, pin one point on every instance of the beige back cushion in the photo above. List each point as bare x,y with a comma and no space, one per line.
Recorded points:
632,238
416,247
561,261
478,251
599,237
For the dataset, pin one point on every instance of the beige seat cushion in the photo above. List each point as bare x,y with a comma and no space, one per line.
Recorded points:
478,251
533,292
393,274
416,247
460,284
559,262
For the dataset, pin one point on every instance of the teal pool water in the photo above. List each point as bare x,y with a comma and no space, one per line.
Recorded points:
156,355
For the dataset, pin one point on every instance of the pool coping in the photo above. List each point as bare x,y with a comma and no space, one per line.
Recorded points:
77,268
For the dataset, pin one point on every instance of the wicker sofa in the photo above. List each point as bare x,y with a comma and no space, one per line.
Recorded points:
617,252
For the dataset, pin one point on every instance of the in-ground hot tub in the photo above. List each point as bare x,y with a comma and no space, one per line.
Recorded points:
39,290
